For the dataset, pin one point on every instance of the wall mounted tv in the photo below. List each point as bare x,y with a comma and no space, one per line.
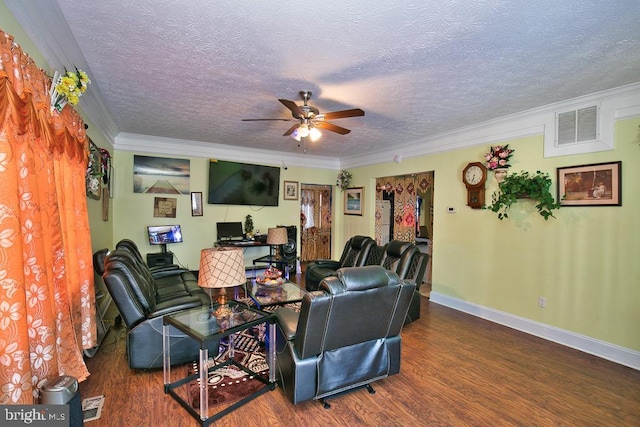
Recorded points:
164,234
232,183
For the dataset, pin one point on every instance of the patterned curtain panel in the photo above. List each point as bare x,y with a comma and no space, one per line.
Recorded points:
47,303
315,222
403,191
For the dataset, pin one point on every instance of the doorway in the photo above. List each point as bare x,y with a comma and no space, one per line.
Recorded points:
315,221
404,211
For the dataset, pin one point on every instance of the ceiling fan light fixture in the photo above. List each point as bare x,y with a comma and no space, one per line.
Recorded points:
303,131
295,135
315,134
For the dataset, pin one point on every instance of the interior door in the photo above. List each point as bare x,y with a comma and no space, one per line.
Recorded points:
315,221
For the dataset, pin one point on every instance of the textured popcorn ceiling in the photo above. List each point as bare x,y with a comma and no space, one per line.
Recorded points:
193,69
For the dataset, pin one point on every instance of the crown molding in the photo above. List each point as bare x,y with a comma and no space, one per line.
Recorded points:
188,148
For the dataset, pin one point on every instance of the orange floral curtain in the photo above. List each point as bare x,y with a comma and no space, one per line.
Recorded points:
47,303
315,222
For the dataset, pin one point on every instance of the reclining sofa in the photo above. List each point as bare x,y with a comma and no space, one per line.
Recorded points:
143,298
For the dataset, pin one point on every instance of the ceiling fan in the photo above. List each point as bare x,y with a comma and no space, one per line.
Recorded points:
310,121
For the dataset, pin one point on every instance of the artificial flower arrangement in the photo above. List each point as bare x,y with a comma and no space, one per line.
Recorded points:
344,177
498,157
68,87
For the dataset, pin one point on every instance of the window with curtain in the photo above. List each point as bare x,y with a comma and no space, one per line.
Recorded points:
47,303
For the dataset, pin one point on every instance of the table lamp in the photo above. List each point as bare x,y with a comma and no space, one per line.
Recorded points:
277,236
221,268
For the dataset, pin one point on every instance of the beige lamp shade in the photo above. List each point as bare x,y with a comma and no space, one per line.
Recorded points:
277,236
221,268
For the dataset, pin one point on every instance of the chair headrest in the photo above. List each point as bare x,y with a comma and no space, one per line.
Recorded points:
396,248
98,260
358,241
367,277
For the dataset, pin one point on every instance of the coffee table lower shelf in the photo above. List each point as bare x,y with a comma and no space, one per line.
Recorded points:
204,325
170,389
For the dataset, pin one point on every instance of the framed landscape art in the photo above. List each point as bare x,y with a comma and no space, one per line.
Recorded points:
596,184
353,201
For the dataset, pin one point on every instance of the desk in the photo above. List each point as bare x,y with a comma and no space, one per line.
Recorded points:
250,249
199,324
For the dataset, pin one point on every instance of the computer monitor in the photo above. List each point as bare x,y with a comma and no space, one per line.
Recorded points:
229,231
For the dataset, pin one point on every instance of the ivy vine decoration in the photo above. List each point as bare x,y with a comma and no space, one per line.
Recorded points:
344,179
524,185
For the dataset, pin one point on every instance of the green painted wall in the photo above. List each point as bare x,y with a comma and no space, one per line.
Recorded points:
133,212
585,261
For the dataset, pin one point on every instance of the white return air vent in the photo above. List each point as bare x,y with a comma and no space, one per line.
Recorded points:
577,126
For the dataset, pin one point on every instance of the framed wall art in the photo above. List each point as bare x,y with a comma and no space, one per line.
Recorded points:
164,207
196,204
290,190
354,201
596,184
94,173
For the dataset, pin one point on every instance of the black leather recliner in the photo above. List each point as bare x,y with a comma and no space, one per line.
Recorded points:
397,257
143,300
417,268
406,260
354,254
130,246
346,335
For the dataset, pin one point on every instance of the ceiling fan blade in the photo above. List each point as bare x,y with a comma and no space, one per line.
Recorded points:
343,114
291,129
297,112
332,127
262,120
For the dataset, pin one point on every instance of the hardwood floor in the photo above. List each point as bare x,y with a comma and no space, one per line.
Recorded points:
457,370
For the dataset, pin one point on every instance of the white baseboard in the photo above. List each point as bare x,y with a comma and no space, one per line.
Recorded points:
605,350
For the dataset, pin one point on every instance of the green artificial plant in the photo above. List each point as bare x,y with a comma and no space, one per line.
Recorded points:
524,185
248,225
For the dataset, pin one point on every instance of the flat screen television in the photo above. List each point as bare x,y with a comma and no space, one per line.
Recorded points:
232,183
164,234
229,231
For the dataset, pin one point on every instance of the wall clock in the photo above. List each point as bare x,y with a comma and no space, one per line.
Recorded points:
474,176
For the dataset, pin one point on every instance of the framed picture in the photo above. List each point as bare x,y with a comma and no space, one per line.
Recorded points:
196,204
291,190
597,184
164,207
353,201
94,175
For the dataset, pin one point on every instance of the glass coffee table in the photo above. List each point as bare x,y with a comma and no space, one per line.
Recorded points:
275,295
207,325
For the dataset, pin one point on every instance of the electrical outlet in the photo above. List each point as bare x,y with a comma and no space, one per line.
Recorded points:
542,301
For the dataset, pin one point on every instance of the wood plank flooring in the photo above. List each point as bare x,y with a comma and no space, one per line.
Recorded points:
457,370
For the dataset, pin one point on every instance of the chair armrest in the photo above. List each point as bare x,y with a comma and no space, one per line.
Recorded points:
326,263
167,270
177,304
288,321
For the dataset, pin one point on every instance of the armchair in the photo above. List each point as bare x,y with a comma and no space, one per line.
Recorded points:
397,257
355,254
346,335
416,271
142,302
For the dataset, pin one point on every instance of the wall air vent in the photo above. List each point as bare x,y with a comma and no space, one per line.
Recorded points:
579,125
